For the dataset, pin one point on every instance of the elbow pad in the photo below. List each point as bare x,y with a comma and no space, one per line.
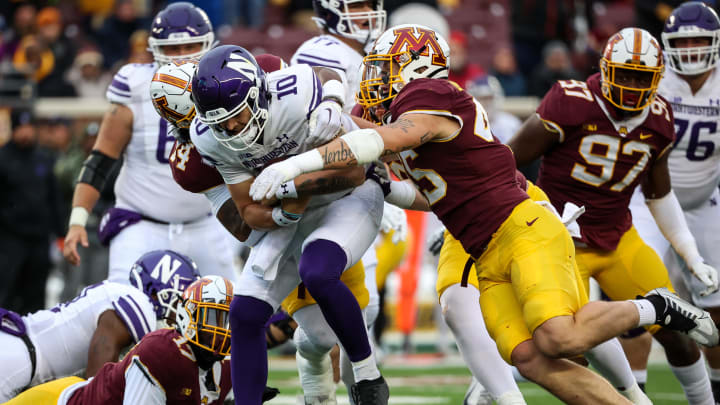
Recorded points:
96,169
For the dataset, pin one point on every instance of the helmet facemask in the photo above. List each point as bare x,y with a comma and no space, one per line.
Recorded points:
341,18
156,46
203,317
381,80
628,86
692,60
245,138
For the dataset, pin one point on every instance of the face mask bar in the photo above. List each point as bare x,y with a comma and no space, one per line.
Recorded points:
155,45
247,137
380,79
615,93
211,327
692,60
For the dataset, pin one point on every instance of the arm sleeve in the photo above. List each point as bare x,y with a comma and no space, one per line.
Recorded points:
141,387
136,313
670,219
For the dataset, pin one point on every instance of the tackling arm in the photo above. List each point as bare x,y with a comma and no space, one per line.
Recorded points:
356,148
110,337
668,214
534,138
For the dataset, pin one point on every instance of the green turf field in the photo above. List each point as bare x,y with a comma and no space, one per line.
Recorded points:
447,384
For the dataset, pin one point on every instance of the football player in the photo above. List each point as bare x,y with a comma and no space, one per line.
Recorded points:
532,297
81,335
254,118
170,92
151,212
349,27
183,365
618,137
691,42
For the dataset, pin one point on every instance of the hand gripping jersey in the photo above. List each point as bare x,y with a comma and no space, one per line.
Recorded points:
599,160
694,161
169,361
468,178
62,334
145,184
296,91
330,52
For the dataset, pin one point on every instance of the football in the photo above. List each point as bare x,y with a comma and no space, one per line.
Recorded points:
170,90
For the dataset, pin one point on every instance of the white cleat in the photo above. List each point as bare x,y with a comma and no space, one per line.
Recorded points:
684,317
477,394
636,396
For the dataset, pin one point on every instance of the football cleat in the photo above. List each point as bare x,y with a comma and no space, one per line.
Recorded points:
477,394
370,392
318,400
681,316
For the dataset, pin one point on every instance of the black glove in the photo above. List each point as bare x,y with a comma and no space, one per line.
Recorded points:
378,173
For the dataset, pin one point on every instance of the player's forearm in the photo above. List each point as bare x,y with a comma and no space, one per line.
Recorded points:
258,217
329,181
102,350
230,218
670,219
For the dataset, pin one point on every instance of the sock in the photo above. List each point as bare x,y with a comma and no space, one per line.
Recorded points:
636,395
648,310
365,369
321,264
314,367
610,361
715,383
511,398
249,364
463,316
695,382
641,378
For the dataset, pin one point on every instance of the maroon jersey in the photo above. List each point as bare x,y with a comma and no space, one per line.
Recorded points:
469,178
599,160
167,356
189,169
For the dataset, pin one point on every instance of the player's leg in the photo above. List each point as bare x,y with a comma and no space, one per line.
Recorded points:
44,394
131,243
457,287
255,301
15,366
313,340
636,269
342,236
637,344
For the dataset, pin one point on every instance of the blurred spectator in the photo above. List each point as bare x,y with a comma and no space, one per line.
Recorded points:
94,266
488,91
50,26
87,75
252,13
505,69
29,215
534,24
33,58
23,25
139,48
651,14
115,31
556,65
461,71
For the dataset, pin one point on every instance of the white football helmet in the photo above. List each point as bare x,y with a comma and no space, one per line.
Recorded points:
170,91
180,23
402,54
631,67
203,316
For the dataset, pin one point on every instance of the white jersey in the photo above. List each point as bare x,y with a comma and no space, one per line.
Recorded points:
694,161
61,335
145,184
295,92
504,125
328,51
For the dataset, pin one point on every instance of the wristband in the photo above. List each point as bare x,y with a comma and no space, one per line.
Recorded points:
284,218
402,194
287,190
79,216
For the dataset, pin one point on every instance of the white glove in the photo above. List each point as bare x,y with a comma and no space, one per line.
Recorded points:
707,275
325,122
268,182
394,219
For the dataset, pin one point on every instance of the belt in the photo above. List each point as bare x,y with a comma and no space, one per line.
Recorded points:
157,221
19,331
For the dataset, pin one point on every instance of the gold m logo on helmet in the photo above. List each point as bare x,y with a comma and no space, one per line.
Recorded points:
406,36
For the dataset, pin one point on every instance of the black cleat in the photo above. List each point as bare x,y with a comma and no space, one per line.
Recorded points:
370,392
677,314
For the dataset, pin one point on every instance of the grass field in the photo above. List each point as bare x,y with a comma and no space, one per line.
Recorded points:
435,383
